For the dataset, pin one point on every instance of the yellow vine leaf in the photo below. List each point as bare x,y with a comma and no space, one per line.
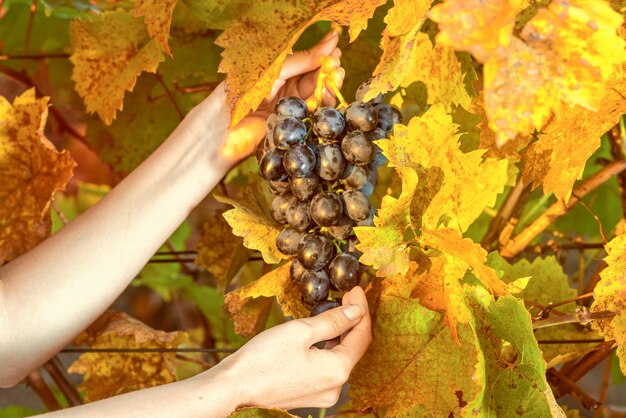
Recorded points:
454,187
223,261
610,295
385,247
110,374
158,18
31,170
110,51
413,367
452,244
564,56
567,141
252,412
483,28
250,220
251,72
277,283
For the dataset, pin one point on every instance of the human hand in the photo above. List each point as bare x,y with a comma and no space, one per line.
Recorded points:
298,77
281,368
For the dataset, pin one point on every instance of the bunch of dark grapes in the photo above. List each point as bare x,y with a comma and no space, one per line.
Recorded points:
322,168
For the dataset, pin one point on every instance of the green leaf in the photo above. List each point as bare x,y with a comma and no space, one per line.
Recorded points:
17,411
515,370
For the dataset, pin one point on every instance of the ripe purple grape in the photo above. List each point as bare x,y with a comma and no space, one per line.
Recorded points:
279,188
289,131
343,271
357,148
292,106
328,124
363,88
330,161
271,166
354,176
315,251
388,116
342,229
299,161
326,208
288,240
314,286
304,188
280,205
296,270
361,116
299,216
323,306
357,205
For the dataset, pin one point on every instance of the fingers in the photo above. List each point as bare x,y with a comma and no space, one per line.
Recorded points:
355,342
308,60
334,322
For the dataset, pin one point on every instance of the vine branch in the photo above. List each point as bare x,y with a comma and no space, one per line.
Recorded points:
618,154
583,366
55,369
32,57
524,238
147,350
557,379
39,386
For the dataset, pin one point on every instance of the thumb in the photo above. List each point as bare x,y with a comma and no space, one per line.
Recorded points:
334,322
308,60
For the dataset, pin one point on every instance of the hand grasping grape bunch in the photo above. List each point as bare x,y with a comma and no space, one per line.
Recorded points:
322,168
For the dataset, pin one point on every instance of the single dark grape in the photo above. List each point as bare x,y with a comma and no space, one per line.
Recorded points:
361,116
280,206
357,148
279,188
343,271
342,229
369,221
363,88
328,124
304,188
292,106
271,122
379,159
288,240
323,306
330,161
271,165
289,131
299,216
314,286
326,208
315,251
376,134
296,270
354,176
368,189
357,205
388,116
299,160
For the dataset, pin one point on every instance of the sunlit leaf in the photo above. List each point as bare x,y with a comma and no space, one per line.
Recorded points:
31,170
610,295
110,374
158,17
110,51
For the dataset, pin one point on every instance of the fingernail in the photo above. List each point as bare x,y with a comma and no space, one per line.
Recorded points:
353,312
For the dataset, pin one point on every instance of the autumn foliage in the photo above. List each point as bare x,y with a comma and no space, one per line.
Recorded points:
504,195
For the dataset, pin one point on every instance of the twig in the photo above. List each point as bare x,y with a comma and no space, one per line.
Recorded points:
147,350
194,360
190,252
55,369
546,311
617,152
582,316
179,112
521,241
605,385
32,57
555,247
170,260
514,201
197,88
170,245
557,379
39,386
583,366
595,217
581,341
29,28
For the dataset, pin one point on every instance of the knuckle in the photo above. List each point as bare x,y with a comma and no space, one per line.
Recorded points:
335,323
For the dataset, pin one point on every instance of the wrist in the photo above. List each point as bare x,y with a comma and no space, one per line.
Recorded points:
226,380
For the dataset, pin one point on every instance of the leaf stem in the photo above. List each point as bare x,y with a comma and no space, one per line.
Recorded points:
32,57
170,95
56,370
582,316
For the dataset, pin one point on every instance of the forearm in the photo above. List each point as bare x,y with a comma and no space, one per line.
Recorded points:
76,274
209,395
